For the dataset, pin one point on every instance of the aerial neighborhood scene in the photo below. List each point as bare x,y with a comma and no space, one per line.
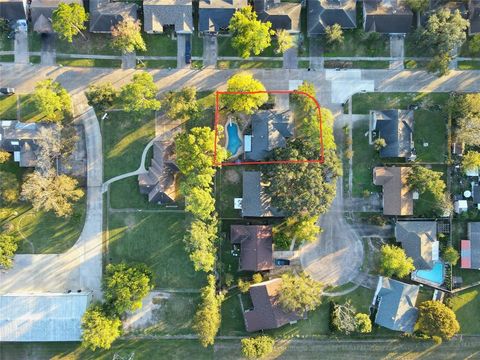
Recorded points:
239,179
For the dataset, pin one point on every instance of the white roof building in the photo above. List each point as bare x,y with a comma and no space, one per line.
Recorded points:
42,317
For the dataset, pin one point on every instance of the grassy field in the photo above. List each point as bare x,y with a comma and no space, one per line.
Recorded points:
430,127
157,64
28,110
34,42
124,138
466,306
357,43
78,62
228,186
7,58
159,45
8,107
360,64
249,64
197,45
40,232
468,65
6,44
99,44
157,240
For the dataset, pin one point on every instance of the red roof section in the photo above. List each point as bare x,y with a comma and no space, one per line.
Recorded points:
466,255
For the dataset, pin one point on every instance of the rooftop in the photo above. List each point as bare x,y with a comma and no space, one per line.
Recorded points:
419,239
256,202
397,197
256,242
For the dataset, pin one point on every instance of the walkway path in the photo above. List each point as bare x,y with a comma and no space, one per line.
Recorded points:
81,266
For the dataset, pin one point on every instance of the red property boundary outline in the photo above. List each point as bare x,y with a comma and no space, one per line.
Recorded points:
217,115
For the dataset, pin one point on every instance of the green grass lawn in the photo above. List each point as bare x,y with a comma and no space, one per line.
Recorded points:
34,41
413,64
159,45
249,64
360,64
157,64
124,138
430,127
99,44
40,232
469,65
157,240
108,63
6,44
35,59
225,48
466,306
357,43
465,50
228,187
197,45
8,107
7,58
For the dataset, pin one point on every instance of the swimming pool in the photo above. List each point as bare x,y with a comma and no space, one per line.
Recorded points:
233,138
435,276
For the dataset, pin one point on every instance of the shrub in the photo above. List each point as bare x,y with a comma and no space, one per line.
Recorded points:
254,348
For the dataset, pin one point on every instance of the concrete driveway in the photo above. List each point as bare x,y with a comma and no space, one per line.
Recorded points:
48,54
21,47
181,41
210,50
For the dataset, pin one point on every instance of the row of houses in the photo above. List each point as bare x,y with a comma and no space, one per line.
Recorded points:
166,16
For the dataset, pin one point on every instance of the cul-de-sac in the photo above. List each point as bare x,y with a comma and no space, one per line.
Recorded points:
239,179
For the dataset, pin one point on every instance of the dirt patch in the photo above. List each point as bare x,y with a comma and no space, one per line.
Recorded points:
232,176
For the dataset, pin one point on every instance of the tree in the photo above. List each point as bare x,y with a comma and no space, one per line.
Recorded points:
99,330
200,203
249,35
49,148
334,34
127,36
471,161
9,187
418,6
440,64
363,324
394,262
140,94
257,347
299,293
181,105
284,41
301,228
101,96
343,318
379,144
8,247
51,192
69,20
468,130
443,33
305,102
474,44
451,255
208,316
126,285
246,103
436,319
199,241
4,156
425,180
52,100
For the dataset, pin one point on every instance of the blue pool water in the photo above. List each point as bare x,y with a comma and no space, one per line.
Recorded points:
234,141
435,275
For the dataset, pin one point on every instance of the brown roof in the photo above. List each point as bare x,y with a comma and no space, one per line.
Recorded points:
397,197
267,312
256,246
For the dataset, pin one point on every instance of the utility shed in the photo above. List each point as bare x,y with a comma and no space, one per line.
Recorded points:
42,317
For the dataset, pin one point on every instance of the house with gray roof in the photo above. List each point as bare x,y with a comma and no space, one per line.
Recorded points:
282,15
323,13
255,201
13,10
397,197
42,317
214,15
105,14
395,305
470,249
474,17
160,182
267,312
256,246
396,128
387,16
270,130
167,15
419,240
41,12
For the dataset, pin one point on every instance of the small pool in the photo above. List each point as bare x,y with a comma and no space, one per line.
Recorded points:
436,275
233,138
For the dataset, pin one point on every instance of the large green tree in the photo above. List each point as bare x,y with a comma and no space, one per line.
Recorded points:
200,203
247,103
418,6
4,156
126,285
436,319
334,34
127,36
394,262
8,247
257,347
99,329
465,111
299,293
285,41
200,243
102,96
208,316
249,35
140,94
301,228
182,104
363,323
69,20
52,100
424,180
450,255
471,161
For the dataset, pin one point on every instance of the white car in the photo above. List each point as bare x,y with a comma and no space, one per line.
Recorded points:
21,25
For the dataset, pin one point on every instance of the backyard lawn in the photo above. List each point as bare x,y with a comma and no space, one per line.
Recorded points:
430,129
466,306
228,186
154,238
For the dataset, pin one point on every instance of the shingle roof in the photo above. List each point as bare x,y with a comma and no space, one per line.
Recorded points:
474,16
42,317
13,10
419,239
105,15
214,15
387,16
474,237
255,202
396,127
256,242
267,312
396,305
157,13
323,13
282,15
397,197
41,12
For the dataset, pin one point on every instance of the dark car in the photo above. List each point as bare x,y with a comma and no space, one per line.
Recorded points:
282,262
7,91
188,54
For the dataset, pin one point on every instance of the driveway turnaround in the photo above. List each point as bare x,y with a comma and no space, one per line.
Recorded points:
80,268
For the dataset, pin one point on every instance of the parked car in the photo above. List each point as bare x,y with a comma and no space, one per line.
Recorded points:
7,91
282,262
188,52
21,25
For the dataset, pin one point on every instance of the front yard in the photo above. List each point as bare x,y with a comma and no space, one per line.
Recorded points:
94,44
27,110
356,43
466,306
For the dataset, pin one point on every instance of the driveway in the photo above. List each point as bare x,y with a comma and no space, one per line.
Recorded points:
48,54
210,50
290,58
397,50
181,40
21,47
316,54
80,268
